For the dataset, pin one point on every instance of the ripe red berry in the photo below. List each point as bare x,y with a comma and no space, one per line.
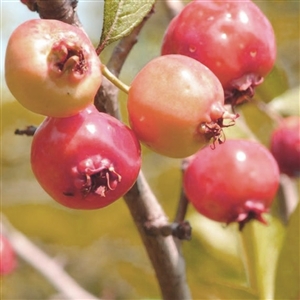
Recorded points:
86,161
176,105
285,145
234,39
8,260
235,182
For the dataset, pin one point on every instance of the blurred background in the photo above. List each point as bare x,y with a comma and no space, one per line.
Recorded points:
101,249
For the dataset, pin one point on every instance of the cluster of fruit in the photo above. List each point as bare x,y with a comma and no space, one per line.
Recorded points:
82,158
235,40
213,53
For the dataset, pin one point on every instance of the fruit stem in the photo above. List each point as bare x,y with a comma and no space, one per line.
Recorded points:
113,79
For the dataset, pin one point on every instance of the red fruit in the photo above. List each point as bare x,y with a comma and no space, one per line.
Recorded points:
285,145
176,105
234,39
86,161
8,260
235,182
52,68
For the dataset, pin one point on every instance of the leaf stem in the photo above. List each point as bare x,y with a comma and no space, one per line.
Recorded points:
113,79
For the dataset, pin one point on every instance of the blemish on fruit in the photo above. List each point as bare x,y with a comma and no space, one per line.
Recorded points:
192,49
68,194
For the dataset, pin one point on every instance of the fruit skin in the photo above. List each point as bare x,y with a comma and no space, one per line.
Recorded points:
285,145
52,68
175,105
8,261
86,161
235,182
234,39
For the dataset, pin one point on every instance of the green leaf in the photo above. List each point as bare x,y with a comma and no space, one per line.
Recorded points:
274,85
261,245
287,103
213,261
288,268
210,290
120,17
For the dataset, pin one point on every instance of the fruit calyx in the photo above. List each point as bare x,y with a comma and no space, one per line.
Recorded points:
242,89
252,210
95,175
66,58
214,129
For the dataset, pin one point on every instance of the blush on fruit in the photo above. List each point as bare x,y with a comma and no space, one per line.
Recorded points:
52,68
176,106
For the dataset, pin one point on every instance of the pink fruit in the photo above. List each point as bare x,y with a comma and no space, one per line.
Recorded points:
176,106
285,145
234,39
51,68
235,182
86,161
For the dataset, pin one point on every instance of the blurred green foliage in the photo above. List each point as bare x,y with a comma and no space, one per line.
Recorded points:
101,249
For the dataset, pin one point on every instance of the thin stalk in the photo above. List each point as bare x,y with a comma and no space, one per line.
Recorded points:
115,80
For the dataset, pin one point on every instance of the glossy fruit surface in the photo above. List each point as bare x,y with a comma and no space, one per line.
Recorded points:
86,161
176,105
235,182
51,68
8,260
285,145
234,39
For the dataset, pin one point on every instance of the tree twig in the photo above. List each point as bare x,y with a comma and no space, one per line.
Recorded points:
28,131
63,10
183,202
163,252
44,264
